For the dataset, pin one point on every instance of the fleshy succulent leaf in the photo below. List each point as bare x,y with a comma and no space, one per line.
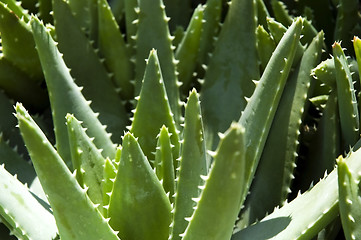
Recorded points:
261,108
295,219
193,164
67,199
25,213
87,160
152,33
271,182
88,71
231,70
153,107
187,50
349,115
349,200
66,97
220,199
117,58
139,207
164,165
18,44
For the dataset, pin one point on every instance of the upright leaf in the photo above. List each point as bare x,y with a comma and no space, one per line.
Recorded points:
193,164
87,160
261,108
153,111
88,70
66,97
152,33
346,97
75,214
349,200
218,205
231,70
139,208
164,166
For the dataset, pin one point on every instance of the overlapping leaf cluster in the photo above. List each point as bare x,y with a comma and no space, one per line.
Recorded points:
140,119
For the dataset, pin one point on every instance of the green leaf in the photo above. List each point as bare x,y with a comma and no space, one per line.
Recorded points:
18,44
65,97
152,33
153,111
113,48
261,108
349,200
219,203
88,70
347,103
75,214
275,170
163,163
193,164
139,208
231,70
265,46
86,15
23,210
110,172
187,50
87,160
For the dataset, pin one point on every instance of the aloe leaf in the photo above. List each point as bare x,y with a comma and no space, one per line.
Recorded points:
231,70
75,214
210,28
187,50
219,202
296,220
262,13
17,9
281,13
86,15
193,164
265,46
152,33
153,107
277,30
130,7
23,211
110,172
88,71
164,166
349,200
349,116
139,208
63,94
325,72
261,108
112,47
87,160
18,44
275,170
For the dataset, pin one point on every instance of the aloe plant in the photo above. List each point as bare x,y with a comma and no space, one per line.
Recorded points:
215,123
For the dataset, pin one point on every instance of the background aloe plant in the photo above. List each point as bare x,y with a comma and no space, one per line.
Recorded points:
230,128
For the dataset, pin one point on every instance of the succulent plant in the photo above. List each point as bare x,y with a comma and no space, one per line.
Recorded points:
230,128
